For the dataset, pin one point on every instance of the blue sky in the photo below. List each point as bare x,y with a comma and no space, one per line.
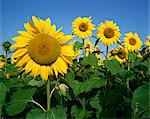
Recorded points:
130,15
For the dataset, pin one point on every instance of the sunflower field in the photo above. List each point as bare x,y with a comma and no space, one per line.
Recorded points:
46,74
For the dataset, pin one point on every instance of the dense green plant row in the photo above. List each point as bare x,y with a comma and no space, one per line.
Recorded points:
112,90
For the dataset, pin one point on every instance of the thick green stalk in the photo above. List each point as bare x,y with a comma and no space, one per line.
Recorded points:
106,51
48,94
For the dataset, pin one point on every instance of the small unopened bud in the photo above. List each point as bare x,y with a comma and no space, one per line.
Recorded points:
63,88
8,75
6,45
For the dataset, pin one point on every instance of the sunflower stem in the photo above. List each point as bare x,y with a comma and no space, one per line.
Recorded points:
33,101
106,51
128,79
48,95
83,48
6,63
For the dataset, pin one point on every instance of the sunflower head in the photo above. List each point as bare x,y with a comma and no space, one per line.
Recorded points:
88,47
132,41
100,63
147,42
82,27
108,32
97,49
120,54
2,61
42,50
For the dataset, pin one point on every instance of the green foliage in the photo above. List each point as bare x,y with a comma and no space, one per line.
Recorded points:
87,91
114,67
140,101
78,45
91,60
19,100
3,92
37,113
34,82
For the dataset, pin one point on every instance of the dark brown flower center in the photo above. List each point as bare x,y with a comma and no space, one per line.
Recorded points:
83,27
109,33
132,41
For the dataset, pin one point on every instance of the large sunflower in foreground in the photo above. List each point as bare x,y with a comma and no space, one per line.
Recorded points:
132,41
108,32
120,54
82,27
42,50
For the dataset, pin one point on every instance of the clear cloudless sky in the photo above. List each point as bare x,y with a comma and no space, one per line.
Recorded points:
130,15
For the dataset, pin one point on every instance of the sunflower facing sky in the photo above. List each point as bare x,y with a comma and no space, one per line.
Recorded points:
82,27
43,50
108,32
132,41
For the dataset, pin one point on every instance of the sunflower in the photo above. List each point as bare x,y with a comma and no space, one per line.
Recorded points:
82,27
120,54
147,42
108,32
2,63
97,49
88,47
42,50
132,41
100,63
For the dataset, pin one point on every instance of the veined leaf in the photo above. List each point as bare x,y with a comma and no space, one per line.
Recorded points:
19,100
3,91
140,101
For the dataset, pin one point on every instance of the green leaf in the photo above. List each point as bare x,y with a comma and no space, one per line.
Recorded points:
132,56
114,67
34,82
80,87
14,82
108,114
92,83
95,104
77,113
19,100
112,98
91,60
12,69
59,113
78,45
70,77
36,114
140,101
3,91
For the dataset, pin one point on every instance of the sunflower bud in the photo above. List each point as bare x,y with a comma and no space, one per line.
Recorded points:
6,45
63,88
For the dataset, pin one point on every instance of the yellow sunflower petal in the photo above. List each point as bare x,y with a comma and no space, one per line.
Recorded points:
44,72
19,52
